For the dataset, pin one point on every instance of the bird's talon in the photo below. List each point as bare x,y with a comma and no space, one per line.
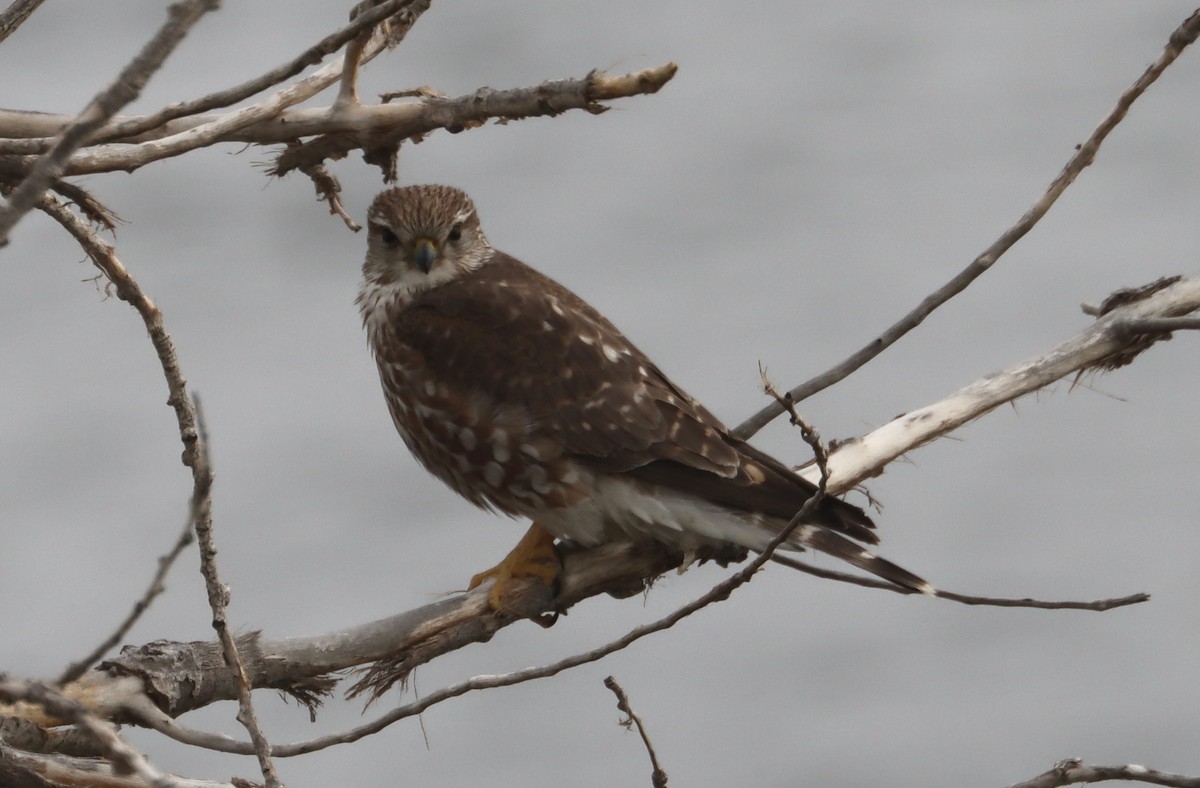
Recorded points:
534,556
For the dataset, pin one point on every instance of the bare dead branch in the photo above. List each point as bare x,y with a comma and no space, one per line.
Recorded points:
1179,40
15,15
156,587
103,733
104,257
329,190
218,597
1099,605
1091,348
1073,770
21,769
345,128
27,735
717,593
385,126
658,777
31,132
807,431
182,16
195,454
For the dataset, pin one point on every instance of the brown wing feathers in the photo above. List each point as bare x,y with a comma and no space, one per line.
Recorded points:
572,368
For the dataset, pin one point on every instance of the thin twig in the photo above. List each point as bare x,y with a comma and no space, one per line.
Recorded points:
1099,605
807,431
1073,770
309,57
156,587
1183,36
218,598
658,777
182,16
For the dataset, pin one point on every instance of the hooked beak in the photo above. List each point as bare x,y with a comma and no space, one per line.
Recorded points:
425,253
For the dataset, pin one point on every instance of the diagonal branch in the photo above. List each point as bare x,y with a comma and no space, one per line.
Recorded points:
1098,605
182,16
1183,37
658,777
15,15
1094,347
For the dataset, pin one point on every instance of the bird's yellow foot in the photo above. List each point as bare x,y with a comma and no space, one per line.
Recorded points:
534,556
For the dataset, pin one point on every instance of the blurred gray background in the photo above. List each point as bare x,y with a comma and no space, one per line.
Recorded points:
811,173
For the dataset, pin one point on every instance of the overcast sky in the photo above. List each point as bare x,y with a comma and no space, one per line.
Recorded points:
812,172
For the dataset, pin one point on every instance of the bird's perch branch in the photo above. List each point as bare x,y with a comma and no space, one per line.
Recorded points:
162,680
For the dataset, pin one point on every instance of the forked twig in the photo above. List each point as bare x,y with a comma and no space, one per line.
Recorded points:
658,777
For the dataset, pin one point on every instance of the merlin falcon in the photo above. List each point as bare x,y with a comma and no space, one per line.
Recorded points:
525,400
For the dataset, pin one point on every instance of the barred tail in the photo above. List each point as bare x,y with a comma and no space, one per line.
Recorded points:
822,539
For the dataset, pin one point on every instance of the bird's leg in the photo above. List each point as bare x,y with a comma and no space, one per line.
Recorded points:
534,556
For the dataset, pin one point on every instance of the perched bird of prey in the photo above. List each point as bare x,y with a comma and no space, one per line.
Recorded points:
524,399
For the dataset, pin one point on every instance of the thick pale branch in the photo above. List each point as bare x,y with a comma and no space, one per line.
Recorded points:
1105,339
1073,771
109,158
375,127
347,127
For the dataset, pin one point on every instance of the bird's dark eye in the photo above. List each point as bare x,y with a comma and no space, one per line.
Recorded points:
386,235
455,233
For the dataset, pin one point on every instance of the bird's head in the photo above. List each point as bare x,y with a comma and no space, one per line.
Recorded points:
420,237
